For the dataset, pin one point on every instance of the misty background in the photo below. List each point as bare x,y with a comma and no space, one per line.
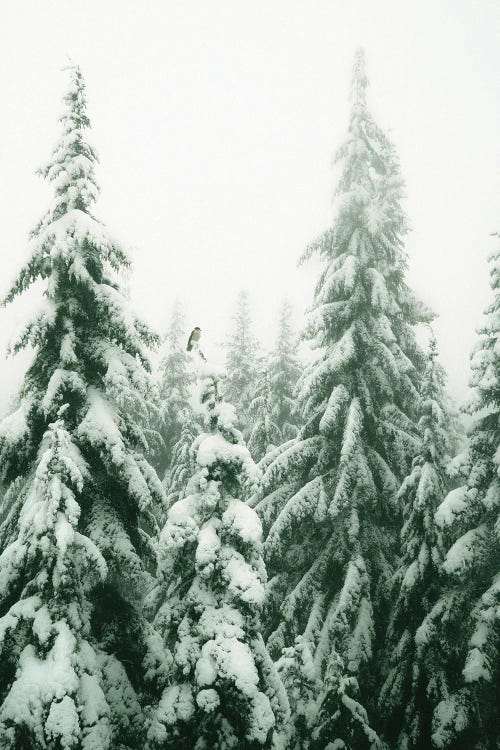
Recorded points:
216,122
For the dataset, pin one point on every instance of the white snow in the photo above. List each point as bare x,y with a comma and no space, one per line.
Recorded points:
465,550
15,426
452,506
243,580
336,402
39,681
208,700
241,520
226,415
208,547
214,448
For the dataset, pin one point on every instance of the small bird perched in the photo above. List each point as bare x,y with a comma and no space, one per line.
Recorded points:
194,338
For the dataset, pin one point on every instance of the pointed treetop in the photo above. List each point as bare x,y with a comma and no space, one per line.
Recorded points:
75,100
71,167
359,82
176,326
432,421
431,363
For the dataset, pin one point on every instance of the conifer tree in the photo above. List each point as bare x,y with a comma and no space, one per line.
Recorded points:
328,497
225,691
464,625
272,415
242,362
284,369
411,689
74,648
264,431
175,379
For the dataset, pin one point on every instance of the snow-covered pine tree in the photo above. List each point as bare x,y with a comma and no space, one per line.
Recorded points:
464,625
175,379
284,370
242,361
412,686
328,497
74,648
225,691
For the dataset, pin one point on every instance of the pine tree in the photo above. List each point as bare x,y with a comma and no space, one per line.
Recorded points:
174,387
412,687
242,363
464,625
74,647
225,691
328,497
273,418
285,368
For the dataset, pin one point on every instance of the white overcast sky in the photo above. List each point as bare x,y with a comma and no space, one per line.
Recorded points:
216,121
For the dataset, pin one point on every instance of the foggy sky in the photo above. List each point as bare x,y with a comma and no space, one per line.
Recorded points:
216,122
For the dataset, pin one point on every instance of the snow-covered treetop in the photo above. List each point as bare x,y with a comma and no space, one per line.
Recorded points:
68,232
362,301
283,359
221,419
223,465
71,167
175,376
73,250
176,328
432,422
359,83
90,346
242,349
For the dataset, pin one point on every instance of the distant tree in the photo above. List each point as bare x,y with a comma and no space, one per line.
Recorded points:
284,370
225,692
75,649
264,431
272,416
412,686
328,498
175,379
242,361
464,625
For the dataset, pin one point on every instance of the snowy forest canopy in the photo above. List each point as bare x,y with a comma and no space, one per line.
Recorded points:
276,554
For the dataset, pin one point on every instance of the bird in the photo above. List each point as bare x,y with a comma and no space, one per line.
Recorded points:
194,338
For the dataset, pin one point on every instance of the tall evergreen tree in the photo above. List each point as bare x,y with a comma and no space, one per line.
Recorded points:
464,626
411,689
74,647
175,379
328,497
242,361
225,691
